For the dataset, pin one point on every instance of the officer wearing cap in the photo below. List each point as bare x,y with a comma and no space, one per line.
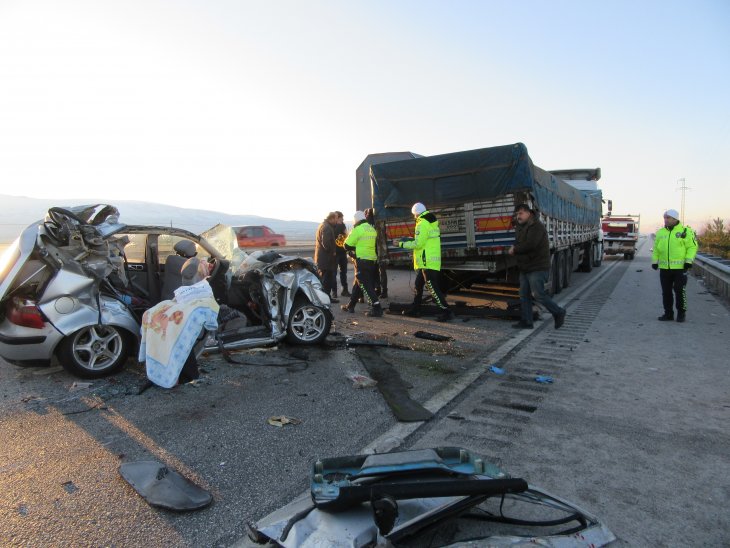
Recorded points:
675,248
361,241
426,248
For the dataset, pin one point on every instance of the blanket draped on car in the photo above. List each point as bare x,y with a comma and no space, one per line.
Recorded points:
169,332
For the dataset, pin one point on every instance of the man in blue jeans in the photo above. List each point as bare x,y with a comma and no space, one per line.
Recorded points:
532,252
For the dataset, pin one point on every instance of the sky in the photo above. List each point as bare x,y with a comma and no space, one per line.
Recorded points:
267,108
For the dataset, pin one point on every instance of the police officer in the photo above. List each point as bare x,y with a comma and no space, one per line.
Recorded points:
675,247
381,282
426,248
361,241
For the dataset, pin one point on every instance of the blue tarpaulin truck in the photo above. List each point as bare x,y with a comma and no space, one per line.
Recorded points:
474,194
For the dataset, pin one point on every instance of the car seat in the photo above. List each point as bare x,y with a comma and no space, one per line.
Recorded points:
185,250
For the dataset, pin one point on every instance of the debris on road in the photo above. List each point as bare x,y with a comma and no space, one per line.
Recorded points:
496,370
76,386
432,336
361,381
165,488
544,379
282,420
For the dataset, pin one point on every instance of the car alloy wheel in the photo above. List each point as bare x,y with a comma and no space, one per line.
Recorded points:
308,324
94,351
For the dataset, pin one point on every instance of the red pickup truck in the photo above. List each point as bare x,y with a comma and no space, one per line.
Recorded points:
258,236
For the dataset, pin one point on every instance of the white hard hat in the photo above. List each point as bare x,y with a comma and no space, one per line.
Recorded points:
418,208
672,213
358,216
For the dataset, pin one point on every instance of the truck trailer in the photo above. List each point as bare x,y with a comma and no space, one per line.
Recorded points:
474,194
620,234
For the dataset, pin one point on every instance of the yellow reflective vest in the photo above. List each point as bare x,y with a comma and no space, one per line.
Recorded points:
362,238
426,245
674,246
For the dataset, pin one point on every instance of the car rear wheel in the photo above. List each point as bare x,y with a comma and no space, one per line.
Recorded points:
94,351
308,324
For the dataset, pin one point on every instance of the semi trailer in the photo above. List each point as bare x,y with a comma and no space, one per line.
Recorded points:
474,194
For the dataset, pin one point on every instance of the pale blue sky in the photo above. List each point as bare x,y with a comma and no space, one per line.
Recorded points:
268,107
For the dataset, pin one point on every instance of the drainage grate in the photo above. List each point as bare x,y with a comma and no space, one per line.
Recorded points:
494,421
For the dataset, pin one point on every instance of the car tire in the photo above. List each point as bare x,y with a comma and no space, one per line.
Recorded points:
94,351
308,324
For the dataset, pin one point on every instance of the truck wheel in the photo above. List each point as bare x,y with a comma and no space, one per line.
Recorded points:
597,254
559,272
587,262
94,351
308,324
568,271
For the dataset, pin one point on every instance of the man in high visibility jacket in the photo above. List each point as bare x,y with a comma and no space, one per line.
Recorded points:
426,248
675,248
361,241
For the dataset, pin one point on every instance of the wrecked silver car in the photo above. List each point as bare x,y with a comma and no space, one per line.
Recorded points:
74,287
445,496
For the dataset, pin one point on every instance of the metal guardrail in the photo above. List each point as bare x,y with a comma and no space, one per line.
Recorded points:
715,271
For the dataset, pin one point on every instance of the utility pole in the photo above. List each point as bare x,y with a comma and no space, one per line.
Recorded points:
683,187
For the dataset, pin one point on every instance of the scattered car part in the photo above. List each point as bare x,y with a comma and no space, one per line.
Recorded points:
401,513
163,487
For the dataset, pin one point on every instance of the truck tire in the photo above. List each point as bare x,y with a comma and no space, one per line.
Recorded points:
587,262
568,271
559,272
597,254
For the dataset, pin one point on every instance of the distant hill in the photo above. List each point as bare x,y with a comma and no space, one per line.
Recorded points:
20,211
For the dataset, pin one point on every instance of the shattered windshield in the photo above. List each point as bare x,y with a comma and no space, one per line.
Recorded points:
223,239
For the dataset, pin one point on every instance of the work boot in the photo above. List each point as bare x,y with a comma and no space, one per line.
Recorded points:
666,318
681,316
384,294
334,300
375,312
348,308
559,319
445,316
523,325
345,292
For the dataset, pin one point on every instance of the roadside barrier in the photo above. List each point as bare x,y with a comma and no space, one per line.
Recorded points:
715,272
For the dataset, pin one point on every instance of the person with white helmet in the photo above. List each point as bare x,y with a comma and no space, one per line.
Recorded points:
426,246
675,248
361,242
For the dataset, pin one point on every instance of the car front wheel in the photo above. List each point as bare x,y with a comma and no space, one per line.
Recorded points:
94,351
308,324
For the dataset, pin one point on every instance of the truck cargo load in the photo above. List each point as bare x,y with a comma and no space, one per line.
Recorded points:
474,194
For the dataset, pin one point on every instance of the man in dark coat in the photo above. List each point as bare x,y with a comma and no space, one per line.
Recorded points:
325,254
532,251
342,260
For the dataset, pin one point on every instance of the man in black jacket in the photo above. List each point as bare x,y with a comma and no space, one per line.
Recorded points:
532,251
340,236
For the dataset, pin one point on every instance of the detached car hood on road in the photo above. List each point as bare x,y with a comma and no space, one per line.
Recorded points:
443,496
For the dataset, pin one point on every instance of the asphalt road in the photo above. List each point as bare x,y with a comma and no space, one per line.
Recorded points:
60,448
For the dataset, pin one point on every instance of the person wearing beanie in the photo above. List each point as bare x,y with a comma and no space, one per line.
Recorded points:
675,248
426,248
361,242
